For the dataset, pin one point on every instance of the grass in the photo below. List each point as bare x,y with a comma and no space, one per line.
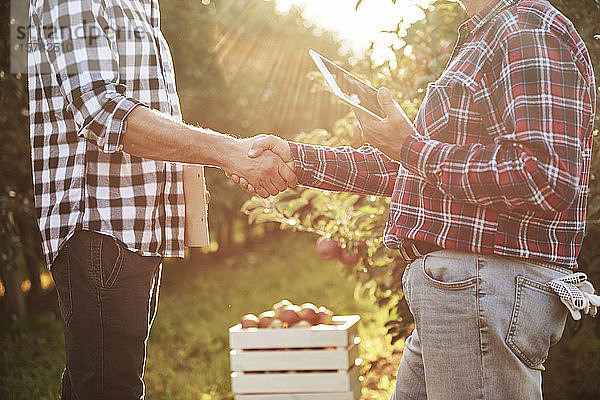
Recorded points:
188,356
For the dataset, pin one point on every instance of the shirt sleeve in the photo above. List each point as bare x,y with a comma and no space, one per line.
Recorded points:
345,169
75,36
540,103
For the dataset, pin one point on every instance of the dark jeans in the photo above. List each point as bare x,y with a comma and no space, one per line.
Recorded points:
107,297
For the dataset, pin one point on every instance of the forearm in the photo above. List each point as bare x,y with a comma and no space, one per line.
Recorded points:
155,136
500,175
344,169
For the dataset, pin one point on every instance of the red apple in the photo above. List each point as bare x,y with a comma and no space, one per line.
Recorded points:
289,315
277,307
350,259
265,319
308,312
325,316
328,249
249,321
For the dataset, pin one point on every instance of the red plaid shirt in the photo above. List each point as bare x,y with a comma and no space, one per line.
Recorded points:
502,158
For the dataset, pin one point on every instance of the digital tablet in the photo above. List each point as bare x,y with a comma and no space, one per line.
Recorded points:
348,87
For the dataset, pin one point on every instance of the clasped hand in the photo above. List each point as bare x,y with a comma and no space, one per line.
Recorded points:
387,135
266,172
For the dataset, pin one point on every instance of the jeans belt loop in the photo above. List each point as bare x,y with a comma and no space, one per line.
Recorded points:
413,249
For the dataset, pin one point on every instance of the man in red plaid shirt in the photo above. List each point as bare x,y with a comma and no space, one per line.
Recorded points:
489,188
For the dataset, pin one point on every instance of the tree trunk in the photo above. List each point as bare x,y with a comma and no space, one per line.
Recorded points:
13,294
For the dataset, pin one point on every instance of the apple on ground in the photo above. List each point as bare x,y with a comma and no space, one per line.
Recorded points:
249,321
266,318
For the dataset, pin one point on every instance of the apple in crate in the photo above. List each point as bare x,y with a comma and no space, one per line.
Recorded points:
289,315
282,305
325,316
249,321
265,319
302,324
276,323
309,312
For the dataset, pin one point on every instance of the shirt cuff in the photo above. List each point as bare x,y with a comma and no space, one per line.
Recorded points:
302,154
424,157
102,119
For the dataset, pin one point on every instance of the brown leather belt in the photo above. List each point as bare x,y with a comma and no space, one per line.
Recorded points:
413,249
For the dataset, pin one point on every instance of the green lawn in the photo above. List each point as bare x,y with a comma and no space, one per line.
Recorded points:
188,356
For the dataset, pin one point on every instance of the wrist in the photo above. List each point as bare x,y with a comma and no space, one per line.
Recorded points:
219,148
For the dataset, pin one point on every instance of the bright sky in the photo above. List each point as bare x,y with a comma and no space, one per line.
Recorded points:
357,28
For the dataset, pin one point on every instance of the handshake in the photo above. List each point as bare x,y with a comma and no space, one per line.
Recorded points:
267,166
263,165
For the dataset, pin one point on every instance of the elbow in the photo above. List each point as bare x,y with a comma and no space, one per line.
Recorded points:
560,200
555,189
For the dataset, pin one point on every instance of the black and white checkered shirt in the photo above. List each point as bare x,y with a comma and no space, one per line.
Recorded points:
90,63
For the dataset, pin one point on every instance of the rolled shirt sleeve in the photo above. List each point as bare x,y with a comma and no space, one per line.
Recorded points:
80,47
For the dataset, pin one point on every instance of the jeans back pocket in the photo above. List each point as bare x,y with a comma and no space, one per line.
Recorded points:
537,322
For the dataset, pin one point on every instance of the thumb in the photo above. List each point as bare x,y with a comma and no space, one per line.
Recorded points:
384,97
260,146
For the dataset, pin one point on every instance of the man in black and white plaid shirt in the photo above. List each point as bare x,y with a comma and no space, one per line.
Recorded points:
107,143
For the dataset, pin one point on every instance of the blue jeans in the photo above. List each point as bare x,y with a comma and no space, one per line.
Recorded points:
483,327
107,297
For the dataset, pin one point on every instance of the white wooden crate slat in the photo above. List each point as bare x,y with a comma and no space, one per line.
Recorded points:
349,395
294,382
340,335
281,360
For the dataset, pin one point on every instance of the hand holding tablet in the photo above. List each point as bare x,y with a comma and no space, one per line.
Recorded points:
348,87
382,122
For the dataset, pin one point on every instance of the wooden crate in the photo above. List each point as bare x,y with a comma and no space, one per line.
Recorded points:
335,358
352,395
296,363
341,334
294,382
